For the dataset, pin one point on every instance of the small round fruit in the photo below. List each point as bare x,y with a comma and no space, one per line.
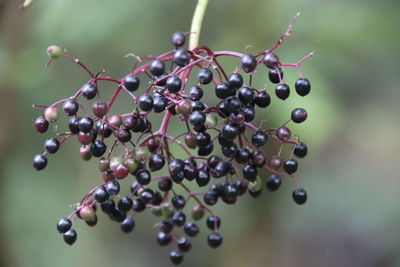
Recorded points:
299,115
273,182
235,81
98,148
51,114
259,138
131,83
181,58
39,162
64,225
41,124
70,237
302,86
70,107
146,102
290,166
204,76
99,108
89,91
176,256
262,99
248,63
299,196
214,240
54,51
157,67
51,145
173,84
283,133
282,91
127,224
178,39
300,150
271,60
275,75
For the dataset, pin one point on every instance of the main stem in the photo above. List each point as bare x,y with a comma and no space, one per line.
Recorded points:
196,23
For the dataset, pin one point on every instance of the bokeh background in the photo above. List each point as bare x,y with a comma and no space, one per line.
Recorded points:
352,217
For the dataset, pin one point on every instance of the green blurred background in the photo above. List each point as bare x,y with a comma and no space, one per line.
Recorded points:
351,174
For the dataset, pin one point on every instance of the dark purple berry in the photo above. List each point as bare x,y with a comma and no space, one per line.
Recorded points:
213,222
249,172
157,67
302,86
160,103
85,124
125,204
176,256
191,229
273,182
299,196
275,75
271,60
183,244
214,240
173,84
113,187
204,76
101,194
156,162
70,107
89,91
282,91
178,39
146,102
262,99
178,218
222,91
210,198
181,58
165,184
248,63
98,148
235,81
64,225
39,162
164,239
290,166
259,138
143,177
127,224
178,201
51,145
195,93
70,237
299,115
124,135
41,124
131,83
300,150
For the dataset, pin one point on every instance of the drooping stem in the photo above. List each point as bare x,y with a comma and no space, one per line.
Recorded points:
196,23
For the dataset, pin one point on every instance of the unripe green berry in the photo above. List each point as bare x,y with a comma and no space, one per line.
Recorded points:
211,121
198,212
54,51
166,209
85,153
132,164
184,107
156,210
115,161
51,114
141,153
104,164
87,213
256,185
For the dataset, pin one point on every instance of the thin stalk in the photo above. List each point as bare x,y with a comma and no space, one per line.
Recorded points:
196,23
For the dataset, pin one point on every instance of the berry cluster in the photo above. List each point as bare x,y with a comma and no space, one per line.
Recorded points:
224,150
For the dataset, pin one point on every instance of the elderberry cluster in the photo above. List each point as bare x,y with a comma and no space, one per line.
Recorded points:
225,152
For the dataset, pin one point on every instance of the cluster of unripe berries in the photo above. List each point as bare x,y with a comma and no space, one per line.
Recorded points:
225,151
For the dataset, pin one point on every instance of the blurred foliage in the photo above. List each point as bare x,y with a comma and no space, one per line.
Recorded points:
351,173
